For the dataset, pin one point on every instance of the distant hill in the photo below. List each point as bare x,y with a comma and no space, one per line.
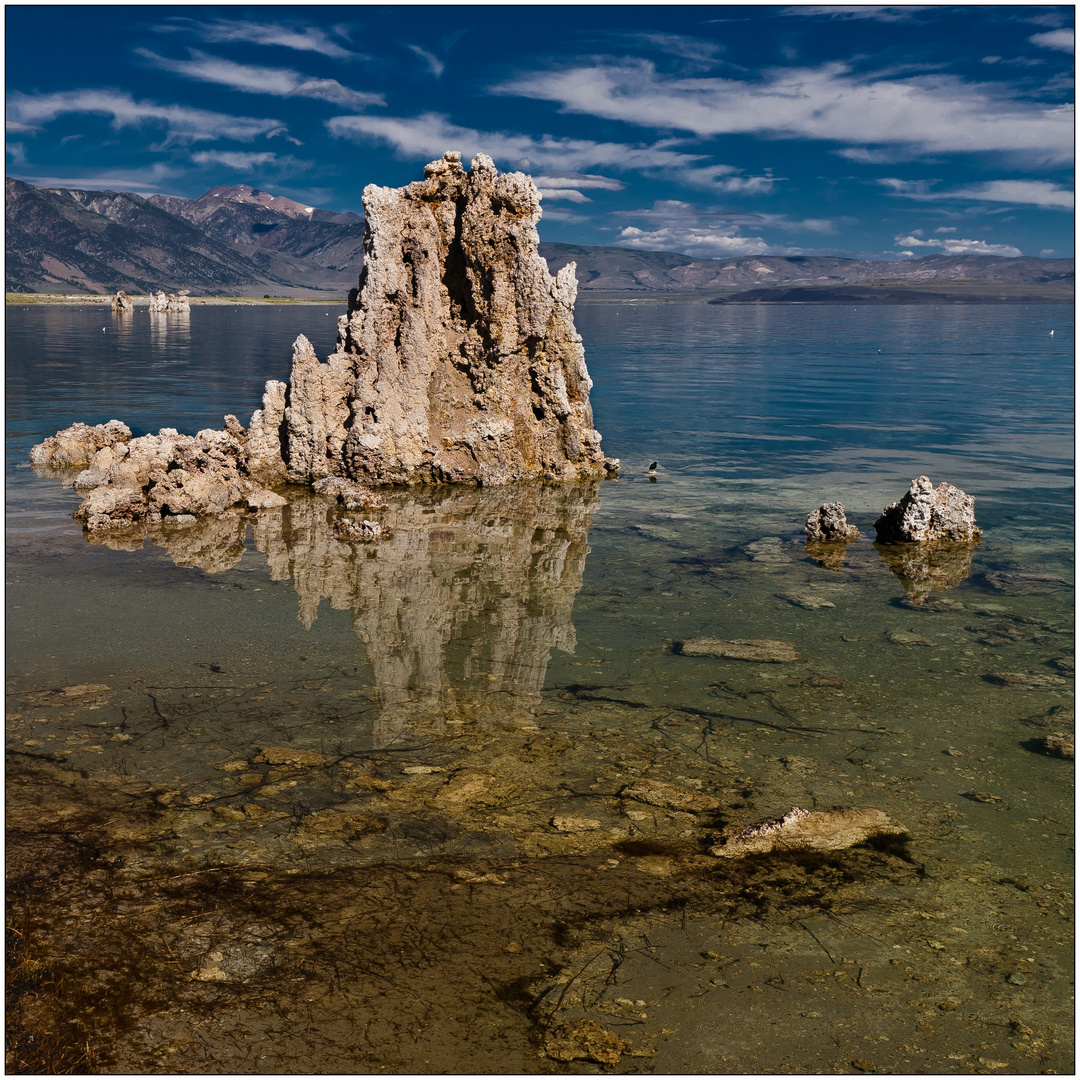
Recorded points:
70,240
246,242
612,268
246,216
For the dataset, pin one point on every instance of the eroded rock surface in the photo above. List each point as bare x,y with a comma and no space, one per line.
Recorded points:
808,830
78,444
122,302
828,523
458,361
927,514
175,302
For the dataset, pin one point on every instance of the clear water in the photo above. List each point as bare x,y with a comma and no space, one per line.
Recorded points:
481,688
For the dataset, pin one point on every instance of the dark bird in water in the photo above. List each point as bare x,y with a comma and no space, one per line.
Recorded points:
652,467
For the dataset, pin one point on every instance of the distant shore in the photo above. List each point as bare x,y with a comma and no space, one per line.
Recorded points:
142,301
886,292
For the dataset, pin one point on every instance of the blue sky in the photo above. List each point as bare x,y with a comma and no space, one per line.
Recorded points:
715,131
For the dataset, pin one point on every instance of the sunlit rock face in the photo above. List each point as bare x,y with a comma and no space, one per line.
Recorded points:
458,361
459,608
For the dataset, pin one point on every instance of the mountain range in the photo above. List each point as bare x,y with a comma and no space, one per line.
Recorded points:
241,241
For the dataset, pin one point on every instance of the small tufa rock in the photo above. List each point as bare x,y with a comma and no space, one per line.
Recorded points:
808,830
122,303
927,514
828,523
762,651
805,600
583,1040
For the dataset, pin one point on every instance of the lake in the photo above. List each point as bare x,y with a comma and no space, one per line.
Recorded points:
279,803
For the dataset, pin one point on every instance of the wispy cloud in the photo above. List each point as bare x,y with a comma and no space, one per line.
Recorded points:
709,232
434,65
265,161
252,79
570,187
1040,193
959,247
878,13
151,178
431,134
1064,40
300,38
927,113
183,124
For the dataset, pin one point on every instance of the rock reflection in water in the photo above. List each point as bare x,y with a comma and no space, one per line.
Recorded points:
926,568
458,609
171,325
829,554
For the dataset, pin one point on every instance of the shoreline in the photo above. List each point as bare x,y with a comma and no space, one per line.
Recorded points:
892,294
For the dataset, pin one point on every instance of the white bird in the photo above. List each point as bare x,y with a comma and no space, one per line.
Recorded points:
1051,333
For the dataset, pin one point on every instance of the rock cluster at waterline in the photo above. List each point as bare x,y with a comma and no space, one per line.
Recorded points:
457,362
928,514
827,524
122,303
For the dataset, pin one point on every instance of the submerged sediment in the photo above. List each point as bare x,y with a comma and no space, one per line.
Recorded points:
457,362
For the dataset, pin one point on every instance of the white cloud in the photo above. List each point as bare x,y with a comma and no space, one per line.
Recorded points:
249,161
136,180
251,79
434,65
1047,251
579,180
561,214
1064,40
302,39
959,247
182,123
431,134
861,11
945,229
16,151
673,225
926,113
1041,193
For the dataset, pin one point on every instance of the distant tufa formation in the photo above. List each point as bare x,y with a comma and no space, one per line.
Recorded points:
457,362
171,303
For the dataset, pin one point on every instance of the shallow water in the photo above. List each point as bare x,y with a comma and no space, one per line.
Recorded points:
389,832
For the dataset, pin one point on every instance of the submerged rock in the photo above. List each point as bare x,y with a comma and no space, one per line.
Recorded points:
827,523
669,796
927,513
78,444
805,600
1060,744
1026,680
808,830
762,651
583,1040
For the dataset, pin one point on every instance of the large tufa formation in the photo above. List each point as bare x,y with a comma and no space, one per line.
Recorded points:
928,514
458,361
173,303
